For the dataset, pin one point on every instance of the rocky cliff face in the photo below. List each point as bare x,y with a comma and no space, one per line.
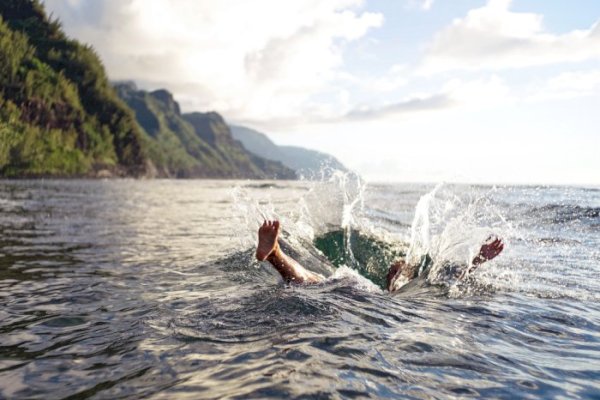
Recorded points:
194,144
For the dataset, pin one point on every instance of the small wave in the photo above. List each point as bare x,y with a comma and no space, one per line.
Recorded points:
385,216
565,213
252,316
268,185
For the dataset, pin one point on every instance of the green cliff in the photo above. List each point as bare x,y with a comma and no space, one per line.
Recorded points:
195,144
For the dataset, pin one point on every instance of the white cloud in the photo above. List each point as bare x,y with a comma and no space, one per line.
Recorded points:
260,59
422,4
572,84
479,93
411,105
396,77
494,37
471,94
427,4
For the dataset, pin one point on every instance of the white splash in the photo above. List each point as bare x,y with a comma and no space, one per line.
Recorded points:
420,240
358,281
450,226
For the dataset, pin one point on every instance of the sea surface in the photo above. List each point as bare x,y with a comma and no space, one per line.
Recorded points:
125,289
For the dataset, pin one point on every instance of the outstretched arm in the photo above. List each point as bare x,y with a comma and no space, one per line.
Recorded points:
268,250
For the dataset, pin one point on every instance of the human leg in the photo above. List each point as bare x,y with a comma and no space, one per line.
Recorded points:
268,249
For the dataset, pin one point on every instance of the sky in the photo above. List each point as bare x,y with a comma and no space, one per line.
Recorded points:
478,91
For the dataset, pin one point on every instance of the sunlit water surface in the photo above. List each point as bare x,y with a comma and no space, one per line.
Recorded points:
148,289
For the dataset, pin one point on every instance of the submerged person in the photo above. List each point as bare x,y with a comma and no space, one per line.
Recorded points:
399,274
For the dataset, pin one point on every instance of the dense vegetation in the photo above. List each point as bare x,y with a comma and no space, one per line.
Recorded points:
60,116
58,113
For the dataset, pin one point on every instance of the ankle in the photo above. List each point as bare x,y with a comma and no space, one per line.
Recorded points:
275,254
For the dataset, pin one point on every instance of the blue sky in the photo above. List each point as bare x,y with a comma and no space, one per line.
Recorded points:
493,91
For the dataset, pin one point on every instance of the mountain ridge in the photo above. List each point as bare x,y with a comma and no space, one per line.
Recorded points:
308,163
197,144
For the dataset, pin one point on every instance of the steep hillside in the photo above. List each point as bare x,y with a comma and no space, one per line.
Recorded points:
311,164
196,144
59,116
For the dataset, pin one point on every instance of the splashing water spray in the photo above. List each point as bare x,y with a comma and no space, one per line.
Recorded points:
352,189
420,240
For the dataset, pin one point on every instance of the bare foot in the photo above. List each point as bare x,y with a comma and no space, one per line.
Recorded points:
267,239
490,249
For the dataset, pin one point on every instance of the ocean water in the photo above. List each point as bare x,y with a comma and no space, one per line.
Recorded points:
148,289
